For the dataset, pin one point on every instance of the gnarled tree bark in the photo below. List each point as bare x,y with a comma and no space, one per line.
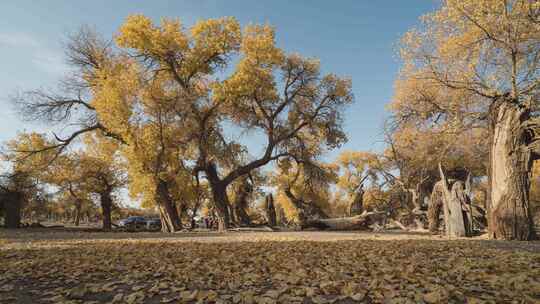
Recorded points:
221,201
219,196
513,148
455,202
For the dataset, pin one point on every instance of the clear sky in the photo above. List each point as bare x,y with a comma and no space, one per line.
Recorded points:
354,38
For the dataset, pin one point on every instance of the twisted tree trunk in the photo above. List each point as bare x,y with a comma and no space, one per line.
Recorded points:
510,164
221,201
170,220
220,197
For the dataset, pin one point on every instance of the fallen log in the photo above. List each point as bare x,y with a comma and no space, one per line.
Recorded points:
253,229
358,222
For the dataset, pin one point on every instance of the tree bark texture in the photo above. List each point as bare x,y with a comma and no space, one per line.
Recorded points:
455,202
513,139
170,220
435,207
220,197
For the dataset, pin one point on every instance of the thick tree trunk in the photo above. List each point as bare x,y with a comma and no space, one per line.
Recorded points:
220,197
170,220
12,207
435,207
270,210
106,206
221,201
510,163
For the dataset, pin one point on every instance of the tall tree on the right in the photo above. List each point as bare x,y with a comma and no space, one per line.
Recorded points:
476,63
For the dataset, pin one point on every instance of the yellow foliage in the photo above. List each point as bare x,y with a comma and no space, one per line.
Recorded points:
139,32
20,153
354,167
254,73
483,46
305,184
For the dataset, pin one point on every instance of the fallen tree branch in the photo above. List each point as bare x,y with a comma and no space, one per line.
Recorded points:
358,222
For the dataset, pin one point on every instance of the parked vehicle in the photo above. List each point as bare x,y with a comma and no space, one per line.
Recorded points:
153,224
133,222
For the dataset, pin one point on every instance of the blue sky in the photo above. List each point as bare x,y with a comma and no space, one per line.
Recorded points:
353,38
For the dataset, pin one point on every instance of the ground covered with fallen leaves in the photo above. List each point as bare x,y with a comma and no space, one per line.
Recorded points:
244,267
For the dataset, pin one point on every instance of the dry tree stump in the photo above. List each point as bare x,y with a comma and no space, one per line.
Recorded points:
456,206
